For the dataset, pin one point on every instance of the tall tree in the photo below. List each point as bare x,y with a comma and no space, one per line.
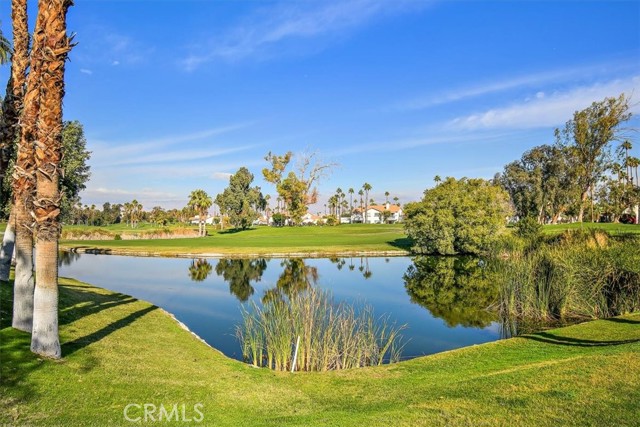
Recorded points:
52,36
366,187
350,191
239,200
11,110
588,136
24,184
200,202
297,187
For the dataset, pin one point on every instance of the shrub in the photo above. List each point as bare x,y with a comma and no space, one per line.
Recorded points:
458,217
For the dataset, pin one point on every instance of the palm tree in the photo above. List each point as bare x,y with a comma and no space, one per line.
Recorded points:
11,108
201,202
51,47
135,212
350,191
626,146
386,197
397,201
24,185
366,187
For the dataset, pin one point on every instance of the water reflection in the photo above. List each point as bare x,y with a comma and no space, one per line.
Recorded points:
458,290
363,268
296,276
199,270
435,294
67,258
239,273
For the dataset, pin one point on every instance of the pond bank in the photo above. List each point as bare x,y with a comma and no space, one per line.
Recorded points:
587,374
232,254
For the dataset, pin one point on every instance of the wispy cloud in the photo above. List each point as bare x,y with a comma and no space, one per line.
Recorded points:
546,110
182,155
533,80
121,152
222,176
118,195
270,27
437,136
86,71
109,46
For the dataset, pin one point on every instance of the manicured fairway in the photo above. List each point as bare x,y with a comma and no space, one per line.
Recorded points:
360,238
120,351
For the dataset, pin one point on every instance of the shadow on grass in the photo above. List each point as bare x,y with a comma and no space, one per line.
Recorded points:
71,347
548,338
402,243
621,320
76,301
235,230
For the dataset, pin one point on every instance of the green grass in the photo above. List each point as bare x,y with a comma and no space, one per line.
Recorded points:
118,350
611,228
265,241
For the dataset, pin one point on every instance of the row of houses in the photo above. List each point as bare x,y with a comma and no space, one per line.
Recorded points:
375,214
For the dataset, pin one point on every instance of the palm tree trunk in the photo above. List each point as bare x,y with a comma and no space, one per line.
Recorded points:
12,108
24,182
8,244
56,46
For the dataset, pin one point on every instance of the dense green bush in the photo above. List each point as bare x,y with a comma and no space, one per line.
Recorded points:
463,216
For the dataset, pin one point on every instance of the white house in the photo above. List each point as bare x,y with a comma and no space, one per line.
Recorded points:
378,214
310,219
196,220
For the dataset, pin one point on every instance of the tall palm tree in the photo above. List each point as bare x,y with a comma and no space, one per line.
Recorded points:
200,201
24,184
135,213
366,187
11,109
51,47
626,146
350,191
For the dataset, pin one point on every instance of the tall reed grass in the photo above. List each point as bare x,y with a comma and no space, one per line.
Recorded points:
578,275
332,336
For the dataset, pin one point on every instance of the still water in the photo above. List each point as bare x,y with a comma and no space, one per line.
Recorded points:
443,301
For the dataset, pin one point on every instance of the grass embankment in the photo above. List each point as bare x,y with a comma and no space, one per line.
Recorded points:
343,239
118,351
611,228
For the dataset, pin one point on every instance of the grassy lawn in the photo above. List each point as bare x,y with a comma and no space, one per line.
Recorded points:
118,351
266,240
611,228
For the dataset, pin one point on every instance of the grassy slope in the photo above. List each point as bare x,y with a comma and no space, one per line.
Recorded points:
267,240
611,228
118,350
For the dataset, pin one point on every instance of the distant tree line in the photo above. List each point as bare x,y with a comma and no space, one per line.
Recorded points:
582,170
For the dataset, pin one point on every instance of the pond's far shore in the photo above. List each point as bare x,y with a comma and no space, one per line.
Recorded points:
233,254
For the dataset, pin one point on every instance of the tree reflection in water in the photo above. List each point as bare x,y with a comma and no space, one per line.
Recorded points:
296,277
67,257
199,270
239,273
461,291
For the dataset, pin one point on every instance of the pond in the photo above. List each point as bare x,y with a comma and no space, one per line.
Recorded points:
443,301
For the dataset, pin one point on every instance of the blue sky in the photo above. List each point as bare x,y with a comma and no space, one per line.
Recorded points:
176,95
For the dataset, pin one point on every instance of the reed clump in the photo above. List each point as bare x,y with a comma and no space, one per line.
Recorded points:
578,276
332,336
